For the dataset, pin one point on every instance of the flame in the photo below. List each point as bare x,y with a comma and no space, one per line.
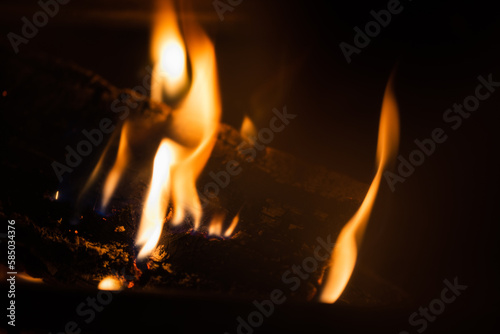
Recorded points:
168,53
114,175
192,128
29,278
217,222
345,251
157,201
187,135
56,197
233,225
110,283
248,129
216,225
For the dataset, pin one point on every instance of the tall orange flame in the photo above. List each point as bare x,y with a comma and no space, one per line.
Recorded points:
349,240
156,204
193,125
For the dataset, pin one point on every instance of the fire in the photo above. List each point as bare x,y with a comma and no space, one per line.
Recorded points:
29,278
168,53
345,251
110,283
248,129
216,225
192,128
186,136
118,168
157,201
217,222
233,225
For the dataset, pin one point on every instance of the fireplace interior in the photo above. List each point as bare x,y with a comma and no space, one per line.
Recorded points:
292,158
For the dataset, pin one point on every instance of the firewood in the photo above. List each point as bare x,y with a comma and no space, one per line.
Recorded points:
284,204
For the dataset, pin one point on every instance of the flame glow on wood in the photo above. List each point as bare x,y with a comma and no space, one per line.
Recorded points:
349,240
28,278
110,283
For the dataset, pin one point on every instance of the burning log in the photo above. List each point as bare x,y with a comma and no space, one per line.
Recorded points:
288,211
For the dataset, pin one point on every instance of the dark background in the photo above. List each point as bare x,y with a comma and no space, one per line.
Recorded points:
441,222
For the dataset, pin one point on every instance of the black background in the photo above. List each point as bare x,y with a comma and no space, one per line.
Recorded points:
442,222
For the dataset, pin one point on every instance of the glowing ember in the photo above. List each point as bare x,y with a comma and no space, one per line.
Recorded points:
346,247
110,283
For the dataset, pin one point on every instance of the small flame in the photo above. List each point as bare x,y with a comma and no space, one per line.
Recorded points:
216,225
248,129
29,278
110,283
56,197
217,222
233,225
346,248
116,172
